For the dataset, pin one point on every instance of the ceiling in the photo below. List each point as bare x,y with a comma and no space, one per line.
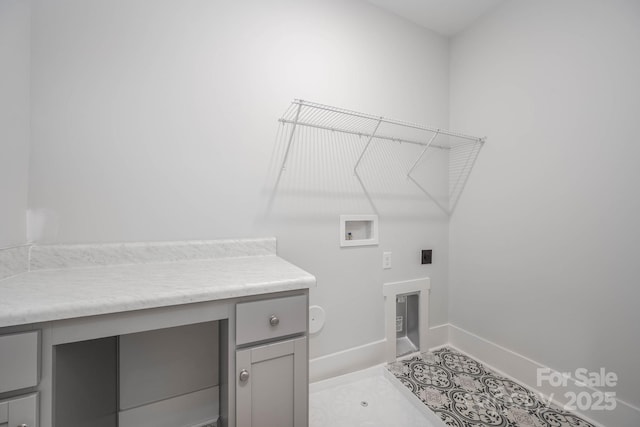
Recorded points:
446,17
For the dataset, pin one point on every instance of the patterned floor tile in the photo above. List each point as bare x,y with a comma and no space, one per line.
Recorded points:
464,393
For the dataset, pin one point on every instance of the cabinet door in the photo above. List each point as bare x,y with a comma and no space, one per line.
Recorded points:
272,385
20,411
19,361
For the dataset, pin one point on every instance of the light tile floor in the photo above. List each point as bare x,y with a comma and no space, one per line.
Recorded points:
439,389
365,399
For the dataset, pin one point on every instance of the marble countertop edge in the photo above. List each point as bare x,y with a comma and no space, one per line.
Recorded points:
58,312
58,294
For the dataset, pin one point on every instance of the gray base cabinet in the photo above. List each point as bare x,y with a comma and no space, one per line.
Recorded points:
240,362
19,369
272,385
272,379
19,361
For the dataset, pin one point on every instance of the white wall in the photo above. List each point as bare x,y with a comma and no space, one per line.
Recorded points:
14,120
544,243
156,120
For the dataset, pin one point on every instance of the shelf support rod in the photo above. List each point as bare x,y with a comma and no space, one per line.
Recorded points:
293,129
366,193
423,151
433,199
366,147
355,168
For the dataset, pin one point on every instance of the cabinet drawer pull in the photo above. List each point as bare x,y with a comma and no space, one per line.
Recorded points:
23,425
273,320
244,375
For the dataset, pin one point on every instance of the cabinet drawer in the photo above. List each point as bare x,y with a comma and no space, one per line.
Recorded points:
269,319
18,361
22,410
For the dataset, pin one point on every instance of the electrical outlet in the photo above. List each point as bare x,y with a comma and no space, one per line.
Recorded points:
426,256
386,260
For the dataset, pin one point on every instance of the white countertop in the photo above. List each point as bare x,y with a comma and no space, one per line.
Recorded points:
48,295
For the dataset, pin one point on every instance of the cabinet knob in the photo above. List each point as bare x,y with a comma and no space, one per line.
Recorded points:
244,375
273,320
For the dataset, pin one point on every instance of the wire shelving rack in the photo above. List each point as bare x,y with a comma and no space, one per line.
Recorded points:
463,149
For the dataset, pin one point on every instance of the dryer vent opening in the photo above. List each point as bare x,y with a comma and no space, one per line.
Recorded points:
407,324
406,306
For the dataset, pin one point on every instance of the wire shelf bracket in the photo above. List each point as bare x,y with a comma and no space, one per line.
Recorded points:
463,149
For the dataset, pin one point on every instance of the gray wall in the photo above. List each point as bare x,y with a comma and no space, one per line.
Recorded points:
544,243
14,120
156,120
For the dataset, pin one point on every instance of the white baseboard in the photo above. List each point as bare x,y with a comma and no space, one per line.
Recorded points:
524,370
365,356
438,336
346,361
500,359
